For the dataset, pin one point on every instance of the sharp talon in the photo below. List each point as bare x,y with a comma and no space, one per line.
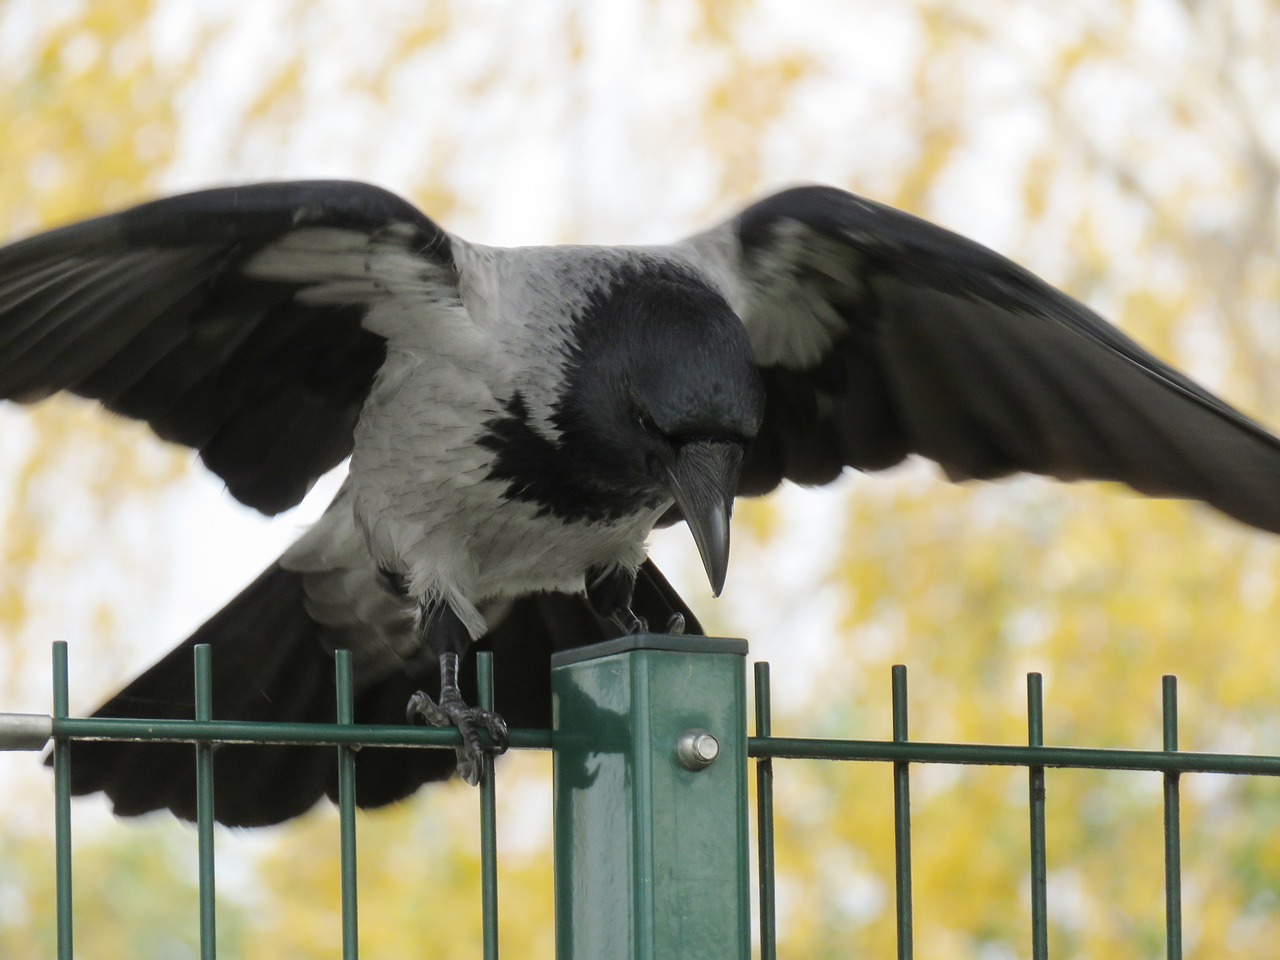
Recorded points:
470,756
675,625
422,708
453,712
638,626
497,728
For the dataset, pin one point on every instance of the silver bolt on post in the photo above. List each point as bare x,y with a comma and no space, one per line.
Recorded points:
697,749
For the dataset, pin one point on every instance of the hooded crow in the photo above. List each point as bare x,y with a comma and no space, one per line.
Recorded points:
518,421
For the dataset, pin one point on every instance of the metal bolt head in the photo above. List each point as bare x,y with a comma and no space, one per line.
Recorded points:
697,749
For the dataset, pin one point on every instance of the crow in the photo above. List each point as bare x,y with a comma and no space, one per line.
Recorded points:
519,420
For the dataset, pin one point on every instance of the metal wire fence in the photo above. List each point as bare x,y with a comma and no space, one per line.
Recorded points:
597,729
1035,757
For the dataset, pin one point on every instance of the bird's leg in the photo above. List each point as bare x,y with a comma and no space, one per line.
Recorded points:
446,636
609,591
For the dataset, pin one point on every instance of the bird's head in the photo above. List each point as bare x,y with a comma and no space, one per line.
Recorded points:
666,386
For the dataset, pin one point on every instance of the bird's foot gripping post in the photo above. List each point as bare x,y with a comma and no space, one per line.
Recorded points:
633,625
650,746
453,711
444,633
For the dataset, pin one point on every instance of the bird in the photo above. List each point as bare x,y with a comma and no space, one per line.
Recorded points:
518,420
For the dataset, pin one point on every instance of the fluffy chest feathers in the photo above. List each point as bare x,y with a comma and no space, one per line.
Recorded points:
445,496
463,478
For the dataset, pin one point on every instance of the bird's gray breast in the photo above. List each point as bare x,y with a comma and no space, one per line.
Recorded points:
456,488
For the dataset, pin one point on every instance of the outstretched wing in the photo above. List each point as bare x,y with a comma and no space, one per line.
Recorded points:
880,335
230,320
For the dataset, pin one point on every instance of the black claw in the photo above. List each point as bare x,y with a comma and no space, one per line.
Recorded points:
422,707
675,625
633,624
452,711
497,728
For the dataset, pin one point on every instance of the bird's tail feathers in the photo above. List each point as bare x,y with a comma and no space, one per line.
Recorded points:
271,662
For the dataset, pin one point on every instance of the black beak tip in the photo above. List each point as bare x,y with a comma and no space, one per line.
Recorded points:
711,533
716,577
702,481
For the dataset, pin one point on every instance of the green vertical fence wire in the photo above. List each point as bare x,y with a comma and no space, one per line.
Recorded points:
1039,869
488,822
764,820
62,803
347,808
204,805
1172,826
902,815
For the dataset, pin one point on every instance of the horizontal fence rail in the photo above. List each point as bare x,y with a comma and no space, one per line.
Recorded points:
34,731
1001,755
244,732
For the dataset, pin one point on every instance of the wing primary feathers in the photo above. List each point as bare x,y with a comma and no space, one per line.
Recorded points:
69,289
159,312
959,354
97,324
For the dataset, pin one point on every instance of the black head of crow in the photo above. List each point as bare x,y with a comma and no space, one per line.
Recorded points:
661,401
518,420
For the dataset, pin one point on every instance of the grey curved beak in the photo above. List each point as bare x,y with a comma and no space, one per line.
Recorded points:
703,478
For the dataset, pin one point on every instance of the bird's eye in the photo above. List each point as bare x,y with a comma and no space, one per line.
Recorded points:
645,421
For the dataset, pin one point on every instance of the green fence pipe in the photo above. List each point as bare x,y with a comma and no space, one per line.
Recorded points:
650,776
764,822
902,819
488,821
345,707
1084,758
1172,826
255,732
62,804
204,805
1036,803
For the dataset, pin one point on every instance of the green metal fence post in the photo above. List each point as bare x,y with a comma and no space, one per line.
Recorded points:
650,738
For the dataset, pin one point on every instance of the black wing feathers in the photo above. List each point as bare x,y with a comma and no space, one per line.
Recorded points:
949,350
151,312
